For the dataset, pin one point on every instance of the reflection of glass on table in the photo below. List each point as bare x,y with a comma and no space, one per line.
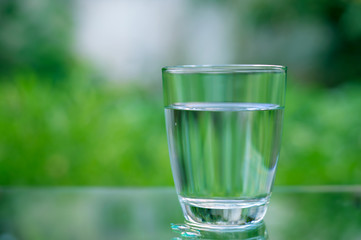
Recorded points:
125,213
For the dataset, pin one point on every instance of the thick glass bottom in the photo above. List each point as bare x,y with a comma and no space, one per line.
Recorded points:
224,213
255,231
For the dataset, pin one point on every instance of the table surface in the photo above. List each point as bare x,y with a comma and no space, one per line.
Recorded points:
317,212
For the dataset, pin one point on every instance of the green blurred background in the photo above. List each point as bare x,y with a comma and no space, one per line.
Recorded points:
81,97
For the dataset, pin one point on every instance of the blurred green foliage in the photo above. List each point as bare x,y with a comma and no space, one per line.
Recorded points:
79,132
36,35
322,136
339,61
100,133
59,126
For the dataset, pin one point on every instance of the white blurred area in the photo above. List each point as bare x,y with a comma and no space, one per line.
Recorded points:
132,40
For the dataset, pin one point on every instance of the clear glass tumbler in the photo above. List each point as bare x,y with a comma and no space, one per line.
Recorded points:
224,125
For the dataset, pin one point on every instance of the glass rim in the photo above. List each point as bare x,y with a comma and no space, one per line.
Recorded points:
224,68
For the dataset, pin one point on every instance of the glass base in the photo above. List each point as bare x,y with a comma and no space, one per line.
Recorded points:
223,214
255,231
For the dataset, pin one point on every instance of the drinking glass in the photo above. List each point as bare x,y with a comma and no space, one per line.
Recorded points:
224,125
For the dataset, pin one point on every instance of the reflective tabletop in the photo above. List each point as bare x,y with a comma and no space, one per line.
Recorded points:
317,212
